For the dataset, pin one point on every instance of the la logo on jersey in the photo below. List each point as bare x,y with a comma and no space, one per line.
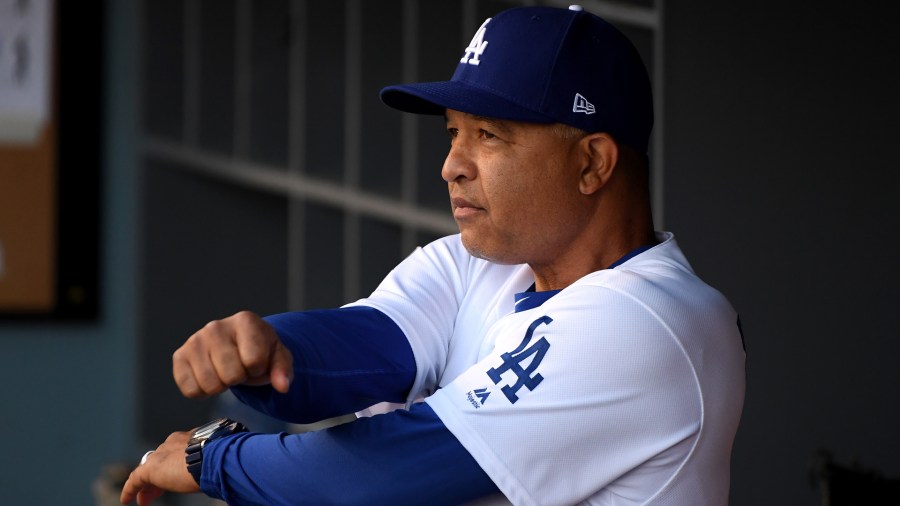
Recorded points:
477,46
514,361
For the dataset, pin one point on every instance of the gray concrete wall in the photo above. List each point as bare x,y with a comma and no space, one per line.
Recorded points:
782,187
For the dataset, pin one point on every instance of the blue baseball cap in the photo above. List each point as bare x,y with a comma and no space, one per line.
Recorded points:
544,65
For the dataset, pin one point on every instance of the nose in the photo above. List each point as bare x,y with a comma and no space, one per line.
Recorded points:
458,164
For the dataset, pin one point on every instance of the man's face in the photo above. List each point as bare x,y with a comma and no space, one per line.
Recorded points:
514,188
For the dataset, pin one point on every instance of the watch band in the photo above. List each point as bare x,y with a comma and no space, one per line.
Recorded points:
193,454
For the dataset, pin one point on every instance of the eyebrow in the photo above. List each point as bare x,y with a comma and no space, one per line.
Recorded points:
498,124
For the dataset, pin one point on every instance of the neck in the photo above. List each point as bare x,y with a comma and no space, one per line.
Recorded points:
600,243
576,264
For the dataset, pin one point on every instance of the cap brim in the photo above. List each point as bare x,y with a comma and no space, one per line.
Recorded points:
436,97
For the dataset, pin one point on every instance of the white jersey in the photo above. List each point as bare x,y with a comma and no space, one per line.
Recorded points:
624,388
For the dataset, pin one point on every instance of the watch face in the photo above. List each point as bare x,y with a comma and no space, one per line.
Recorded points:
208,428
207,432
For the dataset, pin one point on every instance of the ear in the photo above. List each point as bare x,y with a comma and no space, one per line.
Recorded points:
601,155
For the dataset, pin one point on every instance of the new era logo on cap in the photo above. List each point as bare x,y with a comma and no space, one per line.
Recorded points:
582,105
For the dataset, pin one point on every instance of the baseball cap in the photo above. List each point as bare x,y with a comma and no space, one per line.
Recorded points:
544,65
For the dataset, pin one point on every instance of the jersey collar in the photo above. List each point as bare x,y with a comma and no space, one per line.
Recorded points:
530,299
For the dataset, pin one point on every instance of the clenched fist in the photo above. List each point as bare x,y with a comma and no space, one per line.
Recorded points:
239,350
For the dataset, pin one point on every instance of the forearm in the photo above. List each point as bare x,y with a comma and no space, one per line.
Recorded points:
344,360
404,457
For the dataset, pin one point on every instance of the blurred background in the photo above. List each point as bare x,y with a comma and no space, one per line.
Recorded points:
202,157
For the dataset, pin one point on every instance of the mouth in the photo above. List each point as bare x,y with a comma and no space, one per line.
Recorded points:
463,209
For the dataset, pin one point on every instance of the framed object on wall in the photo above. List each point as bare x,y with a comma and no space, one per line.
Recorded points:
50,158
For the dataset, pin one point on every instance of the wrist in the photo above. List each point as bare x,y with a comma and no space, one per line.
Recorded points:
201,436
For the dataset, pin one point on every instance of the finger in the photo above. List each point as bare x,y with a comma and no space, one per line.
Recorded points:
227,364
184,375
132,487
282,369
256,341
195,374
148,494
210,356
191,365
206,377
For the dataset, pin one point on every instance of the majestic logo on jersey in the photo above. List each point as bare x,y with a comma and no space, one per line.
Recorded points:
512,361
582,105
477,46
478,396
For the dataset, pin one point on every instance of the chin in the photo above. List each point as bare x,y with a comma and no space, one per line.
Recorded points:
479,249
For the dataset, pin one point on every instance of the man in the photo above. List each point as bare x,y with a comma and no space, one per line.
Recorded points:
565,352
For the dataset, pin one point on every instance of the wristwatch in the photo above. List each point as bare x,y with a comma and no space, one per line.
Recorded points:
203,434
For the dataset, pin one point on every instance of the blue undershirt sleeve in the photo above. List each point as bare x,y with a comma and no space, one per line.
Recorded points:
403,457
345,360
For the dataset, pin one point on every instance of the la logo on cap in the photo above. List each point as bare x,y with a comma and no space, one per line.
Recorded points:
477,46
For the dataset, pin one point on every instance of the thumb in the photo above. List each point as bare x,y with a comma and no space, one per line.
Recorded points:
281,370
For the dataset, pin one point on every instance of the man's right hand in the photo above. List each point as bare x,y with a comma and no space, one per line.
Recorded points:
239,350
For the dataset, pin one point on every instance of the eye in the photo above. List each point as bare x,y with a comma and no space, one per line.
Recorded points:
452,133
486,135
